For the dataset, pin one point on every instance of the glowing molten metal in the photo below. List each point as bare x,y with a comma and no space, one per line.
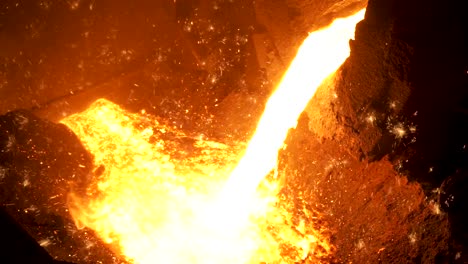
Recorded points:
160,196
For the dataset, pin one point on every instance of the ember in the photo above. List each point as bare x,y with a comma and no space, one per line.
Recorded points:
163,196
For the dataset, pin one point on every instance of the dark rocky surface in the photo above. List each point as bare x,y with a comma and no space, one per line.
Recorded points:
399,102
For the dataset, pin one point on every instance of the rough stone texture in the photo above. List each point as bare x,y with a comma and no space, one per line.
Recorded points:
398,108
373,213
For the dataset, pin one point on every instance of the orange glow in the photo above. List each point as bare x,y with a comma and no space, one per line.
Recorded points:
319,56
160,196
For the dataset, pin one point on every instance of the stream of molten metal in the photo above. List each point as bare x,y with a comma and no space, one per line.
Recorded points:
160,196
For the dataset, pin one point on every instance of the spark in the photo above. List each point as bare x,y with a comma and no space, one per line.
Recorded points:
213,206
412,238
26,183
74,4
371,118
360,244
3,172
435,207
398,130
45,242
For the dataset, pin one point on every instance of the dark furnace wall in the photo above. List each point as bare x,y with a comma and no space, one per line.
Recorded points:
398,110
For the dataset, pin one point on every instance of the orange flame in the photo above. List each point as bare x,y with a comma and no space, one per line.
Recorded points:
162,197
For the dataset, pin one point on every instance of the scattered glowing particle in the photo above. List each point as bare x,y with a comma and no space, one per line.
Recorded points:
45,242
360,244
399,131
74,4
412,237
435,207
3,172
213,79
89,245
26,183
161,205
371,119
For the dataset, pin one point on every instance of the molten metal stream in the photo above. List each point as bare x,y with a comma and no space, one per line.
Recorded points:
159,196
319,56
